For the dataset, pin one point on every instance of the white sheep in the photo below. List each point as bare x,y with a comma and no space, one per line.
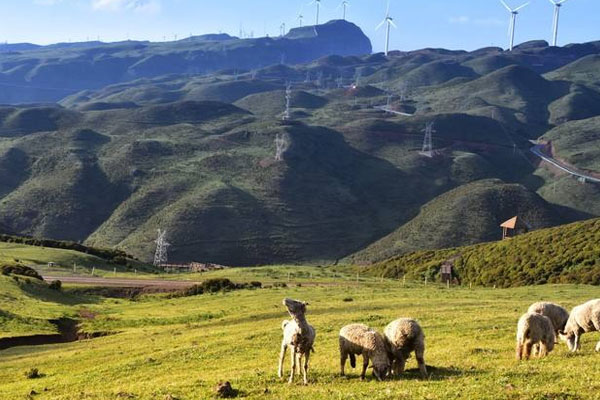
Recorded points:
557,314
299,335
583,318
534,328
359,339
403,336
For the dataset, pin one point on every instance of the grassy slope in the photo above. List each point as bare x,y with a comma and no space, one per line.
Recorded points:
469,214
563,254
578,143
26,305
183,347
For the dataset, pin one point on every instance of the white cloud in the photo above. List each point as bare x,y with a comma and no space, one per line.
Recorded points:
142,6
463,19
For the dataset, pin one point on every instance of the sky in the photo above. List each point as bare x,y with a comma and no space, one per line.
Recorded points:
451,24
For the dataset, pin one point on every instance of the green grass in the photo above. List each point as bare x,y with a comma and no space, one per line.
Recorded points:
565,254
183,347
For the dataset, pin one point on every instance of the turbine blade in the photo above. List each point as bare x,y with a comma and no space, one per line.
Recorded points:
393,24
387,12
381,24
506,6
562,1
553,2
523,6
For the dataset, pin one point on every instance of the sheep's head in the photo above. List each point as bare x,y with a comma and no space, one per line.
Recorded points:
568,338
381,371
295,307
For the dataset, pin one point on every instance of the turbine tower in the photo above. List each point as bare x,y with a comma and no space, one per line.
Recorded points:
300,19
557,6
513,21
344,5
317,3
160,256
390,22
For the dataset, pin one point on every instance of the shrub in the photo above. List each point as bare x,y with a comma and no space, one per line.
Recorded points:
55,285
19,269
348,299
33,373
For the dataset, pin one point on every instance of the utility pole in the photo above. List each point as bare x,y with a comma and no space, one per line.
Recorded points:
427,150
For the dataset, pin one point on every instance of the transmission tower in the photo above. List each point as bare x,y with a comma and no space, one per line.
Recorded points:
160,256
281,145
288,100
427,150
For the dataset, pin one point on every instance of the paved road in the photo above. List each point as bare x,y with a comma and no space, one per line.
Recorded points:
384,108
121,282
537,150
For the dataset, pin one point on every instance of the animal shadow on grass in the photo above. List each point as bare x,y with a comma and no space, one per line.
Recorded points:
437,373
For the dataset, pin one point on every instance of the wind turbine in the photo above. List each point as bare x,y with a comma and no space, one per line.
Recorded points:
513,21
557,6
318,4
300,19
344,5
390,22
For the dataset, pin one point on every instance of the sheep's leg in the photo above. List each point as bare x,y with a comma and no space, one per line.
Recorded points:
577,342
528,347
299,363
281,358
598,346
543,350
293,371
306,358
420,355
343,358
519,351
365,366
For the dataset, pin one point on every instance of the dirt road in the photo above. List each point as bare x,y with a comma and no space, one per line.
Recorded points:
121,282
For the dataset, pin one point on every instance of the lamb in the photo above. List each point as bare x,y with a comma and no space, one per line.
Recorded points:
583,318
402,337
299,335
359,339
534,328
557,314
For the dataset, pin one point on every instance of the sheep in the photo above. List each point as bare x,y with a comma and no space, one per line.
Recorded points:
583,318
299,335
359,339
557,314
402,337
534,328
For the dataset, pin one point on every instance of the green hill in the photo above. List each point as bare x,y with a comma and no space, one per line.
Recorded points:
565,254
470,214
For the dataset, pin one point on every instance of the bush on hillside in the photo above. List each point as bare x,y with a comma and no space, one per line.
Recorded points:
216,285
55,285
19,269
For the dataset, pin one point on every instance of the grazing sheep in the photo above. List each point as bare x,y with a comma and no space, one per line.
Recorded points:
557,314
299,335
583,318
403,336
534,328
359,339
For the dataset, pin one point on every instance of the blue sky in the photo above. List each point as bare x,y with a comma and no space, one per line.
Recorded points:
456,24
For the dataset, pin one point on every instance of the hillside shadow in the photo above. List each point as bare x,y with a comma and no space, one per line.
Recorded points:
58,297
438,373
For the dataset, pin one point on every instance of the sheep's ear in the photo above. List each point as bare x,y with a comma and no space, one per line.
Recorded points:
305,303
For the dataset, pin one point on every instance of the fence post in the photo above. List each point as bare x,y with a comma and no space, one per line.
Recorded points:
447,284
93,270
425,280
404,280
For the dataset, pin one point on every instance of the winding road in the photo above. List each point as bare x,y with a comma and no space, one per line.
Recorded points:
537,150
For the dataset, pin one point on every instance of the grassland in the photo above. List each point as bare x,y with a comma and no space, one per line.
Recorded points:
181,347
